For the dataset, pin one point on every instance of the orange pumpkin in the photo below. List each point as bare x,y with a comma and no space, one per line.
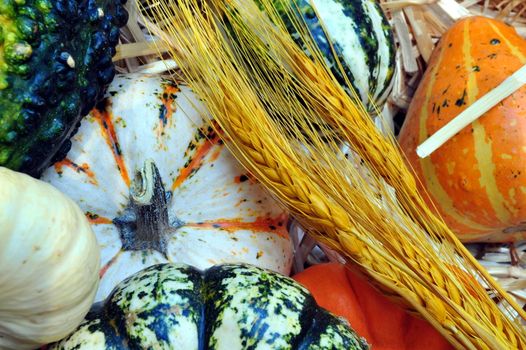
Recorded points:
477,180
384,324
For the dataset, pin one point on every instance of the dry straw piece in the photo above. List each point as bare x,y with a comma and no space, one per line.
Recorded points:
418,27
286,118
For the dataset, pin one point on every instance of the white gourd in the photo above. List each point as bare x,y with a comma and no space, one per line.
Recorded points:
159,185
49,261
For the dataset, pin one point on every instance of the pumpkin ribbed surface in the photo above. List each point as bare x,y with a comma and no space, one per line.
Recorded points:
477,179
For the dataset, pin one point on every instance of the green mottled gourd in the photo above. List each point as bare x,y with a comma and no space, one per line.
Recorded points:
229,306
356,35
55,61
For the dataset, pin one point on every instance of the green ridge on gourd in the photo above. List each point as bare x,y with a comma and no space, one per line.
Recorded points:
362,40
232,306
55,61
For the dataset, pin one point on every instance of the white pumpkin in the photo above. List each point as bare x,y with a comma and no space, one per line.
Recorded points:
49,262
159,186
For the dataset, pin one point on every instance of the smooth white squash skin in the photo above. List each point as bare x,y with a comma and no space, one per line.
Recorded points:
49,261
211,195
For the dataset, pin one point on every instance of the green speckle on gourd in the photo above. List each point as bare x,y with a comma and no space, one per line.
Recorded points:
3,81
18,52
4,154
227,306
42,5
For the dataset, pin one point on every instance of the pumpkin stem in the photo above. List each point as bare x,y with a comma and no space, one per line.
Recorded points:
150,205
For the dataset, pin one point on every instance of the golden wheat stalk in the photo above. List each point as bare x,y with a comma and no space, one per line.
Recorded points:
272,102
331,103
335,110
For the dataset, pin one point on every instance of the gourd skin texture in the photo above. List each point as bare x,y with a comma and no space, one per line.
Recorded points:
361,38
55,62
477,180
232,307
215,212
49,262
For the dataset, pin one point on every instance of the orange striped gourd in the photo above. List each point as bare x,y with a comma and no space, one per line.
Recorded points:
477,180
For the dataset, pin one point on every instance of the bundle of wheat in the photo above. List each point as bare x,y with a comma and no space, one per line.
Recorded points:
375,217
418,26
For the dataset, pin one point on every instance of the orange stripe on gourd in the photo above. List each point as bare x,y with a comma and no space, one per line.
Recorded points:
202,149
432,174
168,106
112,261
507,116
483,142
514,47
275,225
105,119
83,168
96,219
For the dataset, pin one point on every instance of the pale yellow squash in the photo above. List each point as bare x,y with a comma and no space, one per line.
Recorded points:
49,261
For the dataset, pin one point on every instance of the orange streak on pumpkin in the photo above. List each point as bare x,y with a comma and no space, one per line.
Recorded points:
167,99
108,130
100,221
215,155
275,225
106,267
200,153
84,168
95,219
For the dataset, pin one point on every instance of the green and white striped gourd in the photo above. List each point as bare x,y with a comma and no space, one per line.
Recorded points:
361,38
232,306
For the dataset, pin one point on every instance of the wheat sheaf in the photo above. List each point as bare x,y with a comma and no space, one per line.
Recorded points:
315,148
